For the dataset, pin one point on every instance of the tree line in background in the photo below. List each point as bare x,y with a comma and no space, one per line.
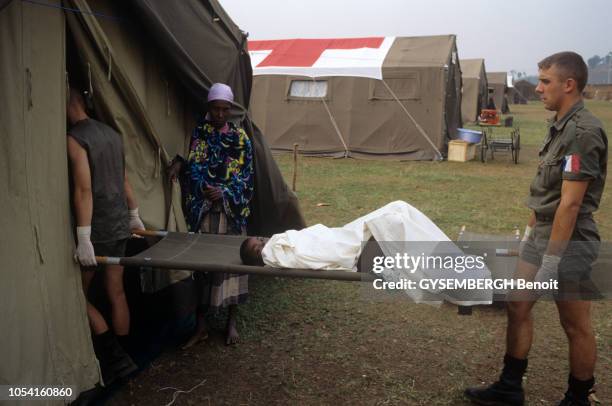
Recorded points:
600,71
596,60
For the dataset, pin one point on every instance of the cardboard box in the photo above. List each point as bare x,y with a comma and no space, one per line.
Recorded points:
461,151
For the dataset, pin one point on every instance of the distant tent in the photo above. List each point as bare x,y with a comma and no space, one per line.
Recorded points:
361,97
598,92
148,65
523,91
498,82
474,93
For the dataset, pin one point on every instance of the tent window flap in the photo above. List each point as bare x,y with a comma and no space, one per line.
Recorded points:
405,88
308,89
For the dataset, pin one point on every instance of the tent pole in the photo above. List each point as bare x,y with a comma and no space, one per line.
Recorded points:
423,133
242,269
333,121
295,152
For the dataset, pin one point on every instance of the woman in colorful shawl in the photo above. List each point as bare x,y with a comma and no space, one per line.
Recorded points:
217,185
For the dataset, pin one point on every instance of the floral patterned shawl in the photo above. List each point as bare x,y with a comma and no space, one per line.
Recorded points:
220,158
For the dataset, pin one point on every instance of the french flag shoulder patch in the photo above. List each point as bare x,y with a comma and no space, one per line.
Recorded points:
572,163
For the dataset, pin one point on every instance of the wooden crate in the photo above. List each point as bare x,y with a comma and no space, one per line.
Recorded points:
461,151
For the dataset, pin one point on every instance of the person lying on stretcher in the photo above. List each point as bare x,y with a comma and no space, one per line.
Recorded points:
324,248
397,228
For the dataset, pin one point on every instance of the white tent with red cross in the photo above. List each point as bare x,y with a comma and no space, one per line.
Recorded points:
374,97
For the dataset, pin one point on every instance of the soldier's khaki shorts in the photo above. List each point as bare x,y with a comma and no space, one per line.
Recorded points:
577,261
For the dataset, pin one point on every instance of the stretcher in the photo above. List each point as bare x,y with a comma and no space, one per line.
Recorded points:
200,252
215,253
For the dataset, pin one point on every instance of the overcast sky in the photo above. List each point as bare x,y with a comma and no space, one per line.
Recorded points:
508,34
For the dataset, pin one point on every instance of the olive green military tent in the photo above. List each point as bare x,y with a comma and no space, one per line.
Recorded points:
498,82
598,92
474,92
147,65
522,92
375,97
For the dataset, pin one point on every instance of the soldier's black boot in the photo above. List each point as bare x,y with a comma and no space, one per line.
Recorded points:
115,363
578,392
507,391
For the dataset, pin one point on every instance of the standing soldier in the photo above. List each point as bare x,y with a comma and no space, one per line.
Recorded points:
105,211
561,240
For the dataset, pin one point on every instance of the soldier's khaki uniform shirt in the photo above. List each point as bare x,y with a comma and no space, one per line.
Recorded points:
575,148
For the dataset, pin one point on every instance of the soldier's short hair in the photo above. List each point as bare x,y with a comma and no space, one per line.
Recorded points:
570,64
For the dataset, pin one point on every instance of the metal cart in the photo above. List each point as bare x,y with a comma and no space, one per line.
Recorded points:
491,144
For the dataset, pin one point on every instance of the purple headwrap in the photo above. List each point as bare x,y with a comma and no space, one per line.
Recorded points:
220,91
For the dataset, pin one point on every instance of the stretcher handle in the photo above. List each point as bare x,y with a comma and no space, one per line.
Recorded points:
150,233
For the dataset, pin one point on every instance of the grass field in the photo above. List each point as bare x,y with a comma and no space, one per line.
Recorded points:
318,342
485,197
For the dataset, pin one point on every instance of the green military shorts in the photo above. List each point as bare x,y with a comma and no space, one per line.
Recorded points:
107,249
577,261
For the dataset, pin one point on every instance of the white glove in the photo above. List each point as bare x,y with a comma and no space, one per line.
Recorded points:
85,250
526,234
135,221
549,269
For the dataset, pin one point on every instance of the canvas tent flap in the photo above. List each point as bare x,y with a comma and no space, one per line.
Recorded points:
45,333
201,43
474,95
275,207
470,100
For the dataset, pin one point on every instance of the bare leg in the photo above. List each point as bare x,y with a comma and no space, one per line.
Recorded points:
508,390
232,336
519,332
114,289
96,321
575,316
201,332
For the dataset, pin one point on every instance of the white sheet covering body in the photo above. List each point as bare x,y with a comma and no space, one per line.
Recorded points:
402,229
338,248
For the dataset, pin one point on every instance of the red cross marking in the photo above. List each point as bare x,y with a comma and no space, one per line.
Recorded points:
305,52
